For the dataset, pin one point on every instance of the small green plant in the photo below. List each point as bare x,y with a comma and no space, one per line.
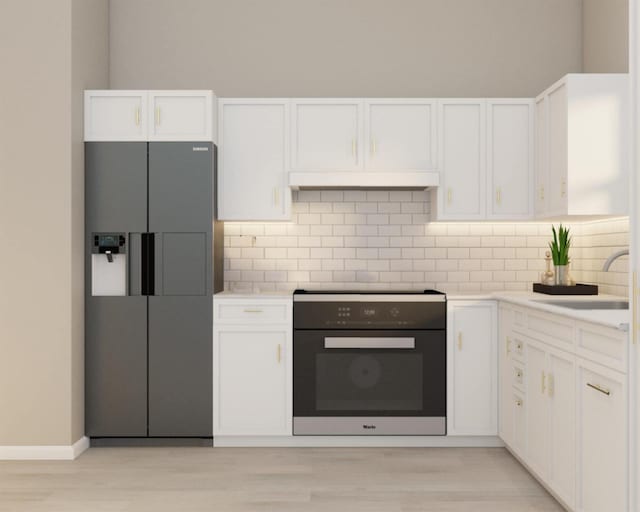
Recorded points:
560,245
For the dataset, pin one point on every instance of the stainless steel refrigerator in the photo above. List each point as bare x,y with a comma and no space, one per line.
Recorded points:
153,261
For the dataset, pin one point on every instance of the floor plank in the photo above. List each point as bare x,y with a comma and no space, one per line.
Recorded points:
274,479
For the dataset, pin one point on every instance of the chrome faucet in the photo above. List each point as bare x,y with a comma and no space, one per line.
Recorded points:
613,257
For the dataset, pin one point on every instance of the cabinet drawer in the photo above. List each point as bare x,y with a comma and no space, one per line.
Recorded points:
517,375
519,424
552,329
251,312
516,346
601,344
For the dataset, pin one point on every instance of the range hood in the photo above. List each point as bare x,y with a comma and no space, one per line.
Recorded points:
418,180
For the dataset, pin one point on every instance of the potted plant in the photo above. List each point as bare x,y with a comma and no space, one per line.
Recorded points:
560,254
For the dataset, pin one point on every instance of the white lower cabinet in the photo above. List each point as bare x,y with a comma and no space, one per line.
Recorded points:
602,438
568,420
252,363
537,436
472,374
550,438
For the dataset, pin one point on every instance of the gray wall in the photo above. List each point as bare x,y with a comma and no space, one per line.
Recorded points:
46,61
345,48
605,36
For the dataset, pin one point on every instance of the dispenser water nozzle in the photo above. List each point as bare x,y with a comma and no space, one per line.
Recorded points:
109,256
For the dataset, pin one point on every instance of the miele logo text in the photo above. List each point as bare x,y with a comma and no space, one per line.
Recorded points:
369,427
200,148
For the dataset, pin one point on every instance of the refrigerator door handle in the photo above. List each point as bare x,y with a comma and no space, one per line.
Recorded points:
148,264
134,264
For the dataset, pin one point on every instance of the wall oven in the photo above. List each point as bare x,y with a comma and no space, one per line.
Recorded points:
369,363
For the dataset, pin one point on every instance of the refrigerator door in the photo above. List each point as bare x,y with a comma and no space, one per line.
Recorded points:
116,327
180,311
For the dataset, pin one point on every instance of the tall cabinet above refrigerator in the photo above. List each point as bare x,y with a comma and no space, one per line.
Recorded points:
153,261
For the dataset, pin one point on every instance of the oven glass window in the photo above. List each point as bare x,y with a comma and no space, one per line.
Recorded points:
371,381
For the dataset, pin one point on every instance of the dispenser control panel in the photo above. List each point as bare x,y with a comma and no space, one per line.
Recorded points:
108,242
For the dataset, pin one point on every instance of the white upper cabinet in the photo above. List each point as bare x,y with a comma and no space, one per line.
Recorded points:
540,153
115,115
582,142
327,135
181,115
472,388
461,160
509,159
253,160
400,135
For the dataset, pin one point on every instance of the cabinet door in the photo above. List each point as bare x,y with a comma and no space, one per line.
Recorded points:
558,149
461,156
473,377
562,406
115,116
251,383
400,135
253,160
327,135
602,438
537,454
509,159
180,115
505,394
519,424
541,157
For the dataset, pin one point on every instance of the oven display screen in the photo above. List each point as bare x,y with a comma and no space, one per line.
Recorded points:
368,312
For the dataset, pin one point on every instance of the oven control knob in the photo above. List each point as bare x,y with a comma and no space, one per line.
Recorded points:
394,312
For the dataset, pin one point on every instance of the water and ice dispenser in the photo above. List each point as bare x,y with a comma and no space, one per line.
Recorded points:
109,264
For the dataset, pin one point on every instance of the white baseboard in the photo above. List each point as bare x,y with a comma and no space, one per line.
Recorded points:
44,452
357,441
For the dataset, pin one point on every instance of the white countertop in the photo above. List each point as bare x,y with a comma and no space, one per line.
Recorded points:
228,294
616,318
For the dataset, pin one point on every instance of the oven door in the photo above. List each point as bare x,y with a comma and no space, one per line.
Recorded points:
369,382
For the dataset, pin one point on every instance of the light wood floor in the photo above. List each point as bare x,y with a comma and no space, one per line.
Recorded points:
274,479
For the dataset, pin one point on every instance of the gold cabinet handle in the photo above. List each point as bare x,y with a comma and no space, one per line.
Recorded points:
449,195
354,148
276,196
519,403
374,146
279,353
459,341
563,188
137,116
541,192
602,390
498,195
543,385
253,311
508,346
157,115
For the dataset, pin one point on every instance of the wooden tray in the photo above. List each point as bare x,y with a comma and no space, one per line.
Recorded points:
578,289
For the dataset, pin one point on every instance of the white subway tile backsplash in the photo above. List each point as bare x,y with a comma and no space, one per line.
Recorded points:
385,239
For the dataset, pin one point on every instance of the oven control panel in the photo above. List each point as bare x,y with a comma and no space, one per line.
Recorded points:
369,315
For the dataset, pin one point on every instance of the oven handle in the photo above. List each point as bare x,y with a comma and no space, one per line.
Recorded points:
357,342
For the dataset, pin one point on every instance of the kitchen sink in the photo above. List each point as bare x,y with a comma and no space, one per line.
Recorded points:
588,304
